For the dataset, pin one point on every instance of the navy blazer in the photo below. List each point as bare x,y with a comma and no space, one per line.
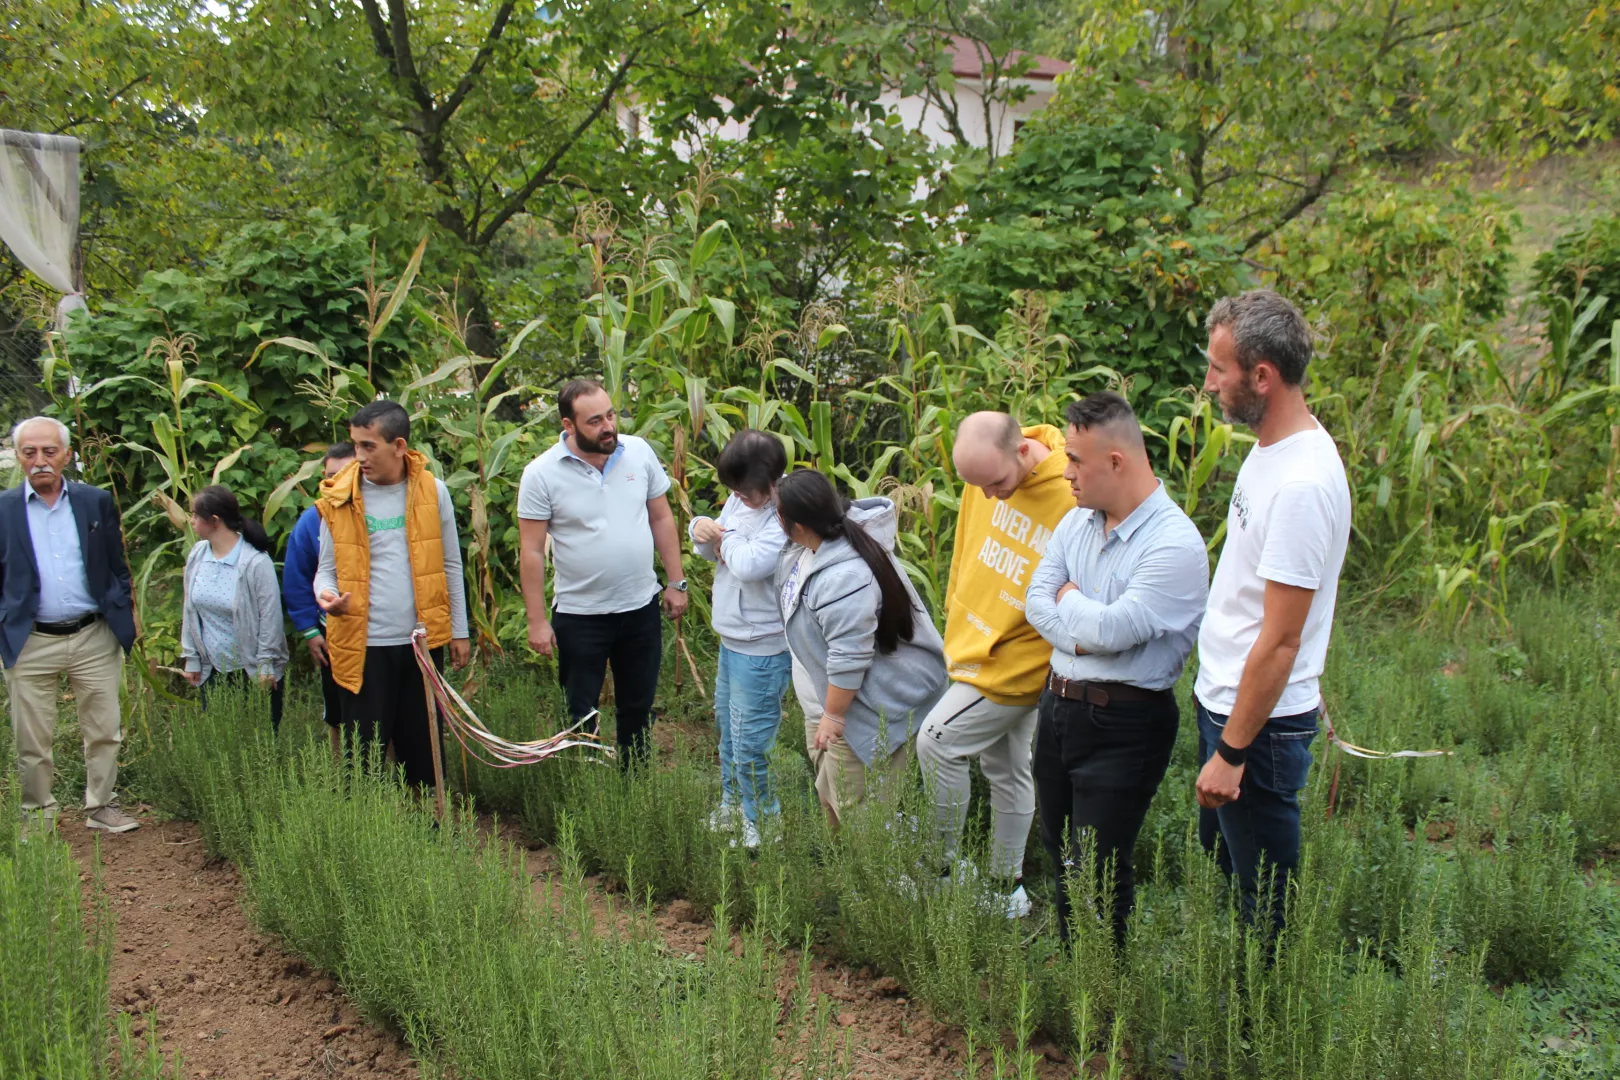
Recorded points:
101,541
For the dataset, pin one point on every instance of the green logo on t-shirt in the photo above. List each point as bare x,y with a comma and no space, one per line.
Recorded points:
376,525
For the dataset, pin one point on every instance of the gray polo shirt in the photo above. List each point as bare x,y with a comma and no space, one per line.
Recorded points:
602,542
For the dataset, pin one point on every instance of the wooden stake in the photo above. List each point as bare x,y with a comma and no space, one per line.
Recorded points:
433,731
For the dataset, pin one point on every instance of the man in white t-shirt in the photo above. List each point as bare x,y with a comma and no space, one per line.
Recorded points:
599,496
1264,639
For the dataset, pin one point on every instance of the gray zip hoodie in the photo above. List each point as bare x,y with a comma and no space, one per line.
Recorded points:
261,639
832,634
745,613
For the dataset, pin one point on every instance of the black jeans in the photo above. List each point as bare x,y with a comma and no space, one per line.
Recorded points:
633,642
1097,768
239,680
1259,830
392,707
331,697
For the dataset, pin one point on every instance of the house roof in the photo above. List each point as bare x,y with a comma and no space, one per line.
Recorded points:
969,57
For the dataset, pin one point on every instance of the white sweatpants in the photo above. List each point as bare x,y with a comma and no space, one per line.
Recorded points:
966,724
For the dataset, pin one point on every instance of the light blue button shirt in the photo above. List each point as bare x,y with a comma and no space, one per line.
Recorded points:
64,592
1142,591
213,596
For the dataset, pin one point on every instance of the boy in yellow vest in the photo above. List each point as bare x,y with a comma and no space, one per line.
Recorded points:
389,558
1013,496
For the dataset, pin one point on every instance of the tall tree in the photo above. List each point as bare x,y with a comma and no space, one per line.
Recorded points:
1273,102
483,112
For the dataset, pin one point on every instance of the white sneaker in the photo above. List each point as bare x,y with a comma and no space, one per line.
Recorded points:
750,836
723,818
1017,903
111,819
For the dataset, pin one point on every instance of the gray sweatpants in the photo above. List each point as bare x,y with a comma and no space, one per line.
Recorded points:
966,724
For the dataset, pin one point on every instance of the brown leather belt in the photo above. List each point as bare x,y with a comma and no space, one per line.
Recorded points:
1100,693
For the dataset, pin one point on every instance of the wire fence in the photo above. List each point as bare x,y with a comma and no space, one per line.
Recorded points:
21,393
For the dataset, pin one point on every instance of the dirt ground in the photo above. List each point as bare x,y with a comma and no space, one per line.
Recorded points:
888,1036
227,997
236,1005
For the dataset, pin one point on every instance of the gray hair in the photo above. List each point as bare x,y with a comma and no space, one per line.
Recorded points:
1265,327
61,430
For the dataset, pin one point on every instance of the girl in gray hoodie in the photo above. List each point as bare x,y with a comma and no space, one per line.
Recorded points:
859,631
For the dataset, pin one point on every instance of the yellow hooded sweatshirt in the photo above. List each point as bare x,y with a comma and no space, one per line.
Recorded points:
988,643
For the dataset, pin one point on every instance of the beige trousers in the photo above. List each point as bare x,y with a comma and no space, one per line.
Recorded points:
93,661
842,778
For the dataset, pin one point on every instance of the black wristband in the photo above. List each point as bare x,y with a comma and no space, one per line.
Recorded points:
1231,754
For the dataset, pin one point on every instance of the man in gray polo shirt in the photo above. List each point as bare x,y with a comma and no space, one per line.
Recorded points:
599,497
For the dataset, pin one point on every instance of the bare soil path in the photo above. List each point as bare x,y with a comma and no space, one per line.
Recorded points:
227,996
234,1004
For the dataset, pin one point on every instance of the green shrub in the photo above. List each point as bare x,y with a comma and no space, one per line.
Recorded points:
1089,218
54,961
1378,260
1521,902
1585,262
53,975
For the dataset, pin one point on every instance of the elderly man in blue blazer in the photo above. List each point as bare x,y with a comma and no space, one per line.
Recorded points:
65,609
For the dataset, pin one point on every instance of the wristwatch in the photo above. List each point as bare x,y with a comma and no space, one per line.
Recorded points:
678,586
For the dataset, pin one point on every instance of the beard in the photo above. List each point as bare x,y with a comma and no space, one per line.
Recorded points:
1243,406
602,444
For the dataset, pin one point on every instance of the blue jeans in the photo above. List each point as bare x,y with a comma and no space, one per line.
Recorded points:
1259,831
748,711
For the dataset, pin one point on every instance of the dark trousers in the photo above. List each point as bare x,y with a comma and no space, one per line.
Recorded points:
331,693
1259,830
633,642
392,707
331,697
240,680
1096,768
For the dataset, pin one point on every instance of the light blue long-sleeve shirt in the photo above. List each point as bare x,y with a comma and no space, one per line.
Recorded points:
64,592
1142,591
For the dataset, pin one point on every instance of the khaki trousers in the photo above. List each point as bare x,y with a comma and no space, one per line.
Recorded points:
841,777
93,661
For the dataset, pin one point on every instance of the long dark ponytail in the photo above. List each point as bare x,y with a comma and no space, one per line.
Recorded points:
219,501
805,497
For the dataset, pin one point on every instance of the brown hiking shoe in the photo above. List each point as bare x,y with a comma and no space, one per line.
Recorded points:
111,819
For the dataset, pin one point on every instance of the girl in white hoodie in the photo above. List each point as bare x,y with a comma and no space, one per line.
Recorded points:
755,666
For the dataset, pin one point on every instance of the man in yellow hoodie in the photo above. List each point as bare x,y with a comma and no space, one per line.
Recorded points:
1013,496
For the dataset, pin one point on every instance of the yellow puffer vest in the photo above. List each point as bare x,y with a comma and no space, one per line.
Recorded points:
344,512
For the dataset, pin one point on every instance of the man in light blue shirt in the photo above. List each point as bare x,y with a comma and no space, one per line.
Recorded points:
1119,595
65,609
64,594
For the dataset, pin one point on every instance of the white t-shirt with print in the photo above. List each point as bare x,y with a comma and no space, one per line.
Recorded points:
1289,522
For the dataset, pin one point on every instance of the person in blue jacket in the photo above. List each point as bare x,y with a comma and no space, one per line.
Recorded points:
298,593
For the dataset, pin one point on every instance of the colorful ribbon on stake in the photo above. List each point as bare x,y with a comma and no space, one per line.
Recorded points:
484,745
1362,752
